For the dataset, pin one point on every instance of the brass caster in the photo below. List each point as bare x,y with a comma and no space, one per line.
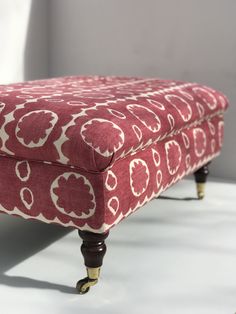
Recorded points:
84,285
200,190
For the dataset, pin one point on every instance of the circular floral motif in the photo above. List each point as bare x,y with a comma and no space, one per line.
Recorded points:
206,96
223,102
56,100
221,132
158,178
137,131
187,161
213,145
34,128
76,103
181,105
117,113
200,109
139,176
186,140
171,121
156,157
23,170
81,207
111,180
103,144
146,116
199,141
2,106
27,197
173,156
113,205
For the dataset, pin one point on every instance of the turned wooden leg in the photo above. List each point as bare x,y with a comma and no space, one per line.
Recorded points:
201,178
93,249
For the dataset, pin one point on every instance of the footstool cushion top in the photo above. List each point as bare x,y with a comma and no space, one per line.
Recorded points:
91,122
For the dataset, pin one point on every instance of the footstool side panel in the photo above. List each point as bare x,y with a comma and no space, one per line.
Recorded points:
52,194
135,180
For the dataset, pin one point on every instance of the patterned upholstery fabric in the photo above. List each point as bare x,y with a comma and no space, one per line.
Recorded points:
88,151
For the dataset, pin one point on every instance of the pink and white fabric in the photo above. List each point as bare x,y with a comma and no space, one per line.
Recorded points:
88,151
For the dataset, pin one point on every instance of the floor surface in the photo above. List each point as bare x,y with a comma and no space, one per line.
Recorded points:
170,257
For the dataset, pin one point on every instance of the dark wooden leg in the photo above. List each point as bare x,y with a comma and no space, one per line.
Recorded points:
93,249
201,178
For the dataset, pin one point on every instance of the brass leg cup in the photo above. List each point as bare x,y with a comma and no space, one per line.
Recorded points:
201,178
201,190
84,285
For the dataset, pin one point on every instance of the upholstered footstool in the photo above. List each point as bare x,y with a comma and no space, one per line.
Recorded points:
86,152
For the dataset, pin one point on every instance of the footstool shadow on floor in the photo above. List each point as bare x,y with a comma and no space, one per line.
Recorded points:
86,152
26,246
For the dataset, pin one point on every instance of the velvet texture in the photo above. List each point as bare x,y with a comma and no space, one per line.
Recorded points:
88,151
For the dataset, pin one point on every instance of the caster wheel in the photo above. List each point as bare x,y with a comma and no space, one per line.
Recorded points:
82,286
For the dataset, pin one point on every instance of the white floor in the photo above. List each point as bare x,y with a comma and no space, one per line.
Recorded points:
170,257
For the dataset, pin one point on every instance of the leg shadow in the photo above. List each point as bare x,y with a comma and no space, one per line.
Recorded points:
178,198
26,282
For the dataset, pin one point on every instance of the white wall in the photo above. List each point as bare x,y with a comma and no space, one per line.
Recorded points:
23,40
185,39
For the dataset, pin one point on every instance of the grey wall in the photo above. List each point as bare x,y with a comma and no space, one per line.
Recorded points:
36,52
185,39
23,40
